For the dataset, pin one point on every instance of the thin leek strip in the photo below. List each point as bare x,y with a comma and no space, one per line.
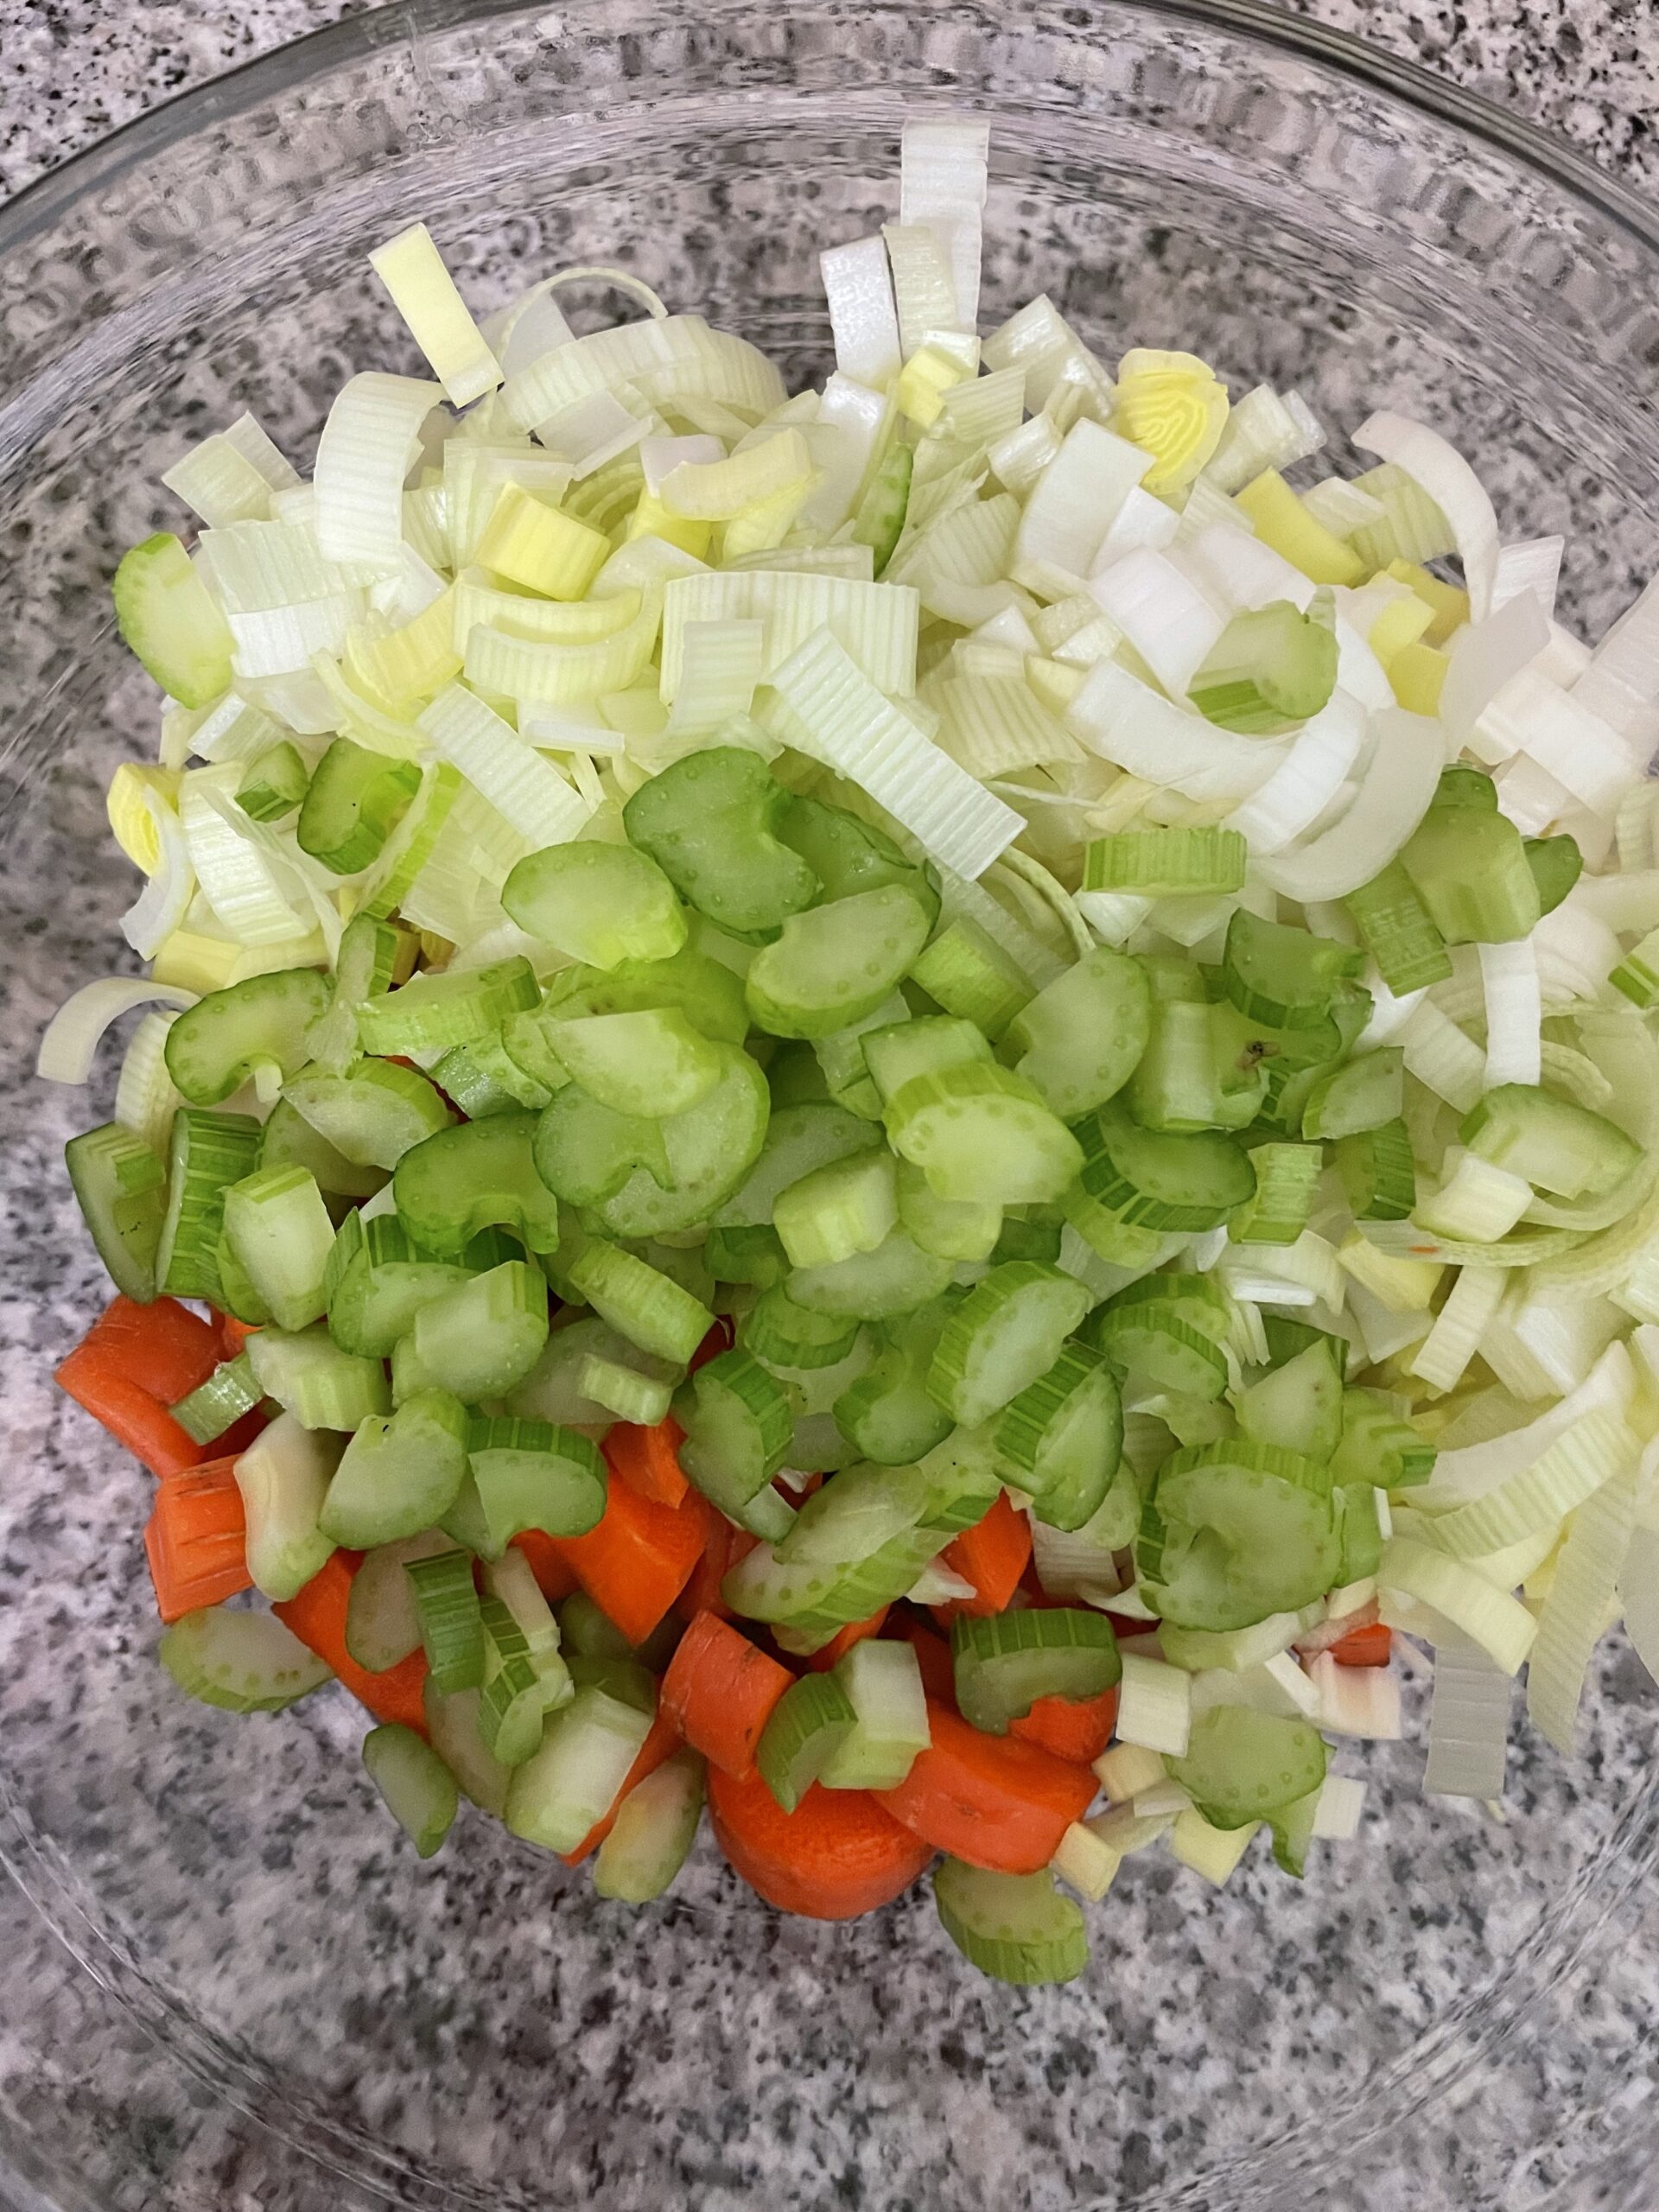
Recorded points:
863,318
1169,621
836,716
1392,798
1558,733
423,293
254,899
994,725
162,905
230,476
363,458
592,431
720,491
256,567
1531,564
923,290
719,667
1464,1475
1443,1358
1469,1722
1072,505
1126,722
562,676
1264,430
145,1097
1514,1012
582,622
1450,482
661,357
72,1036
1455,1594
1307,780
1574,1617
526,791
962,897
1542,1496
942,184
876,624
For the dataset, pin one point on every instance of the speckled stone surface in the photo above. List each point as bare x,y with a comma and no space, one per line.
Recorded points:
506,2039
71,70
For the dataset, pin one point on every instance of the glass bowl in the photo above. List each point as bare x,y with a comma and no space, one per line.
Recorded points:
228,1984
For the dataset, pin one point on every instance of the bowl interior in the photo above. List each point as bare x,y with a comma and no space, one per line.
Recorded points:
481,2030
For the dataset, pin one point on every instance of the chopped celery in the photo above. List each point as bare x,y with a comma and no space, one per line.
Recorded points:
737,1426
1016,1928
600,904
370,1115
481,1175
711,824
216,1045
1079,1039
399,1473
418,1788
836,964
1005,1662
120,1187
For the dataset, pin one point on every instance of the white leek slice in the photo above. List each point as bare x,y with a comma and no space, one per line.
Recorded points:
1360,1701
720,666
939,1585
1577,952
423,293
942,181
283,640
1154,1705
1307,780
598,428
145,1098
1447,477
960,895
1244,573
1468,1722
367,445
1509,974
1455,1593
1542,1496
994,725
836,714
1073,503
1554,728
1342,508
660,455
1470,1471
1020,456
663,358
255,897
1629,654
560,676
1574,1617
1341,1802
230,476
1531,564
532,325
1443,1358
475,474
1483,660
1171,622
1040,340
252,567
527,790
76,1030
160,906
1263,430
1392,799
1477,1201
923,290
720,490
1074,1564
862,317
1125,721
875,624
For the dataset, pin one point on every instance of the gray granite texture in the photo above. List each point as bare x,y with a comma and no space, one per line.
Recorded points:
71,70
482,2031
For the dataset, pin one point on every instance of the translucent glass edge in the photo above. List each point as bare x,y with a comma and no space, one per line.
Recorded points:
55,195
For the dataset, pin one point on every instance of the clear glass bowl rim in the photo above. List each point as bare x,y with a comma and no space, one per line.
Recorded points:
55,195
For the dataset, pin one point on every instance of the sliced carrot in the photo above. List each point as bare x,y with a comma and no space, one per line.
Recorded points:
720,1690
553,1571
196,1540
129,1414
233,1334
639,1558
648,1459
992,1555
722,1548
1078,1731
662,1744
1371,1646
989,1800
933,1654
163,1347
317,1617
836,1855
843,1640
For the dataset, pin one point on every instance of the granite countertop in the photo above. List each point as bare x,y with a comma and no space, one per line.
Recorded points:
70,72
